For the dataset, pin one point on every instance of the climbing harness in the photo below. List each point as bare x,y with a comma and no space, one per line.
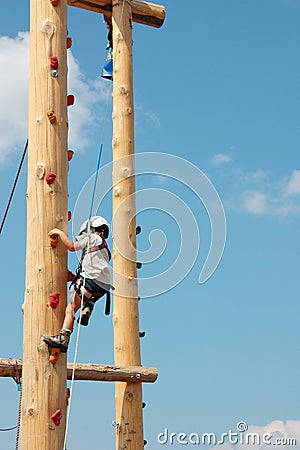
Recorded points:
77,283
98,247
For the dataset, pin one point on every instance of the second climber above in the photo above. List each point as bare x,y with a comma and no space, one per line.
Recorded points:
93,280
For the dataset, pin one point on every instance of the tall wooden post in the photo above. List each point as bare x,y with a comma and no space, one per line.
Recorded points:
125,315
44,385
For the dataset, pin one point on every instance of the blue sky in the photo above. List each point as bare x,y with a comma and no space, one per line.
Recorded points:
217,85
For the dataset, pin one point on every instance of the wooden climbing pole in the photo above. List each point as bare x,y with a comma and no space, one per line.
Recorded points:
44,402
44,384
126,315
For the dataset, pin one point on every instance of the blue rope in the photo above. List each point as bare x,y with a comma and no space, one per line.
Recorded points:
96,179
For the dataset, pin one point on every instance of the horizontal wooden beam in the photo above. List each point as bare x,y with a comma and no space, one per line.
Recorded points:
90,372
142,12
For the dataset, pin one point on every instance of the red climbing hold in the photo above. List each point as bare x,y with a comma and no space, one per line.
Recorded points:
54,299
56,417
69,42
69,215
50,177
55,2
70,100
54,62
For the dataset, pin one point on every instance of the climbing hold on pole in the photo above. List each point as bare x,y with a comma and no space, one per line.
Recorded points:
54,62
142,334
71,276
53,240
70,100
54,299
145,442
55,2
69,42
139,298
143,405
70,154
68,393
51,116
138,230
56,417
54,355
139,265
54,73
50,177
69,215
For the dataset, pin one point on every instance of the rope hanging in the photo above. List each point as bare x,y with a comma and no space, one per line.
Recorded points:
19,418
14,186
17,427
9,429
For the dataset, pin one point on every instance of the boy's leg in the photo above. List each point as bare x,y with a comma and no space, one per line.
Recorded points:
87,307
71,310
61,341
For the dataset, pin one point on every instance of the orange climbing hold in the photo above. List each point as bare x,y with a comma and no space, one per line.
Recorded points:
70,154
54,355
69,42
55,2
51,116
53,240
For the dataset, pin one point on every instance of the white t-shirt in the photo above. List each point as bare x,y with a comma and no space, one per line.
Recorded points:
95,265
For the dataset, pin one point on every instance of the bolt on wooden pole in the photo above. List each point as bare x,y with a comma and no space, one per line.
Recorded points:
44,385
129,432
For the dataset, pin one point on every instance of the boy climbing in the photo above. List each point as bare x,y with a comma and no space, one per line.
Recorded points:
93,280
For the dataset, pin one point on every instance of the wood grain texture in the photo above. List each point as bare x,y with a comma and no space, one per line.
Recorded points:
129,434
91,372
142,12
44,385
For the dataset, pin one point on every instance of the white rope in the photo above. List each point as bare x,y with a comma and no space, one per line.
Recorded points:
73,371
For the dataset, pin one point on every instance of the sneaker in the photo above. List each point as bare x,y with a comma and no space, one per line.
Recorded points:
85,314
60,341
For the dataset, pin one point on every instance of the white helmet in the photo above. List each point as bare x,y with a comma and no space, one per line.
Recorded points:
95,222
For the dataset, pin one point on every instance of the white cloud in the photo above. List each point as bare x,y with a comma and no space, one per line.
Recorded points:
144,118
88,94
220,158
152,117
255,202
275,434
292,186
14,60
258,193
